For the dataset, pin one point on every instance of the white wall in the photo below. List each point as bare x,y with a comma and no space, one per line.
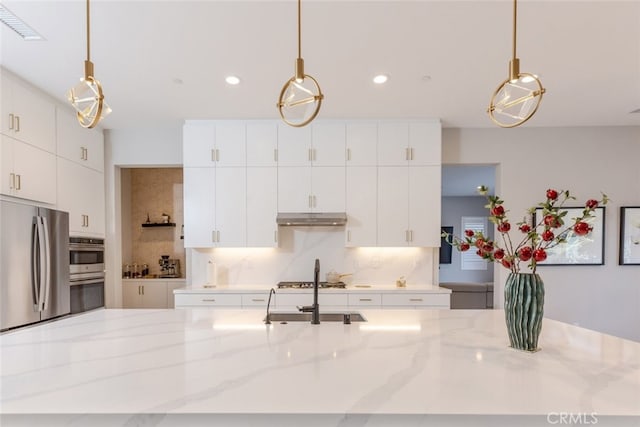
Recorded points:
130,148
585,161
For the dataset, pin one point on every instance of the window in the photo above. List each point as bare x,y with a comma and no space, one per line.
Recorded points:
469,259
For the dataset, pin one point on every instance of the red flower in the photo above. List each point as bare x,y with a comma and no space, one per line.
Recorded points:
547,232
591,204
497,210
525,253
539,255
552,194
503,227
547,235
582,228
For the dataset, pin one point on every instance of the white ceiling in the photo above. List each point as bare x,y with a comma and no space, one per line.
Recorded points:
587,54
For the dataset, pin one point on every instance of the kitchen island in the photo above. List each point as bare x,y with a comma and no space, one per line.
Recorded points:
226,367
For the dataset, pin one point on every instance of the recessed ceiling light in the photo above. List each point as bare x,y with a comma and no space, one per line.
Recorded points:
18,25
232,80
380,78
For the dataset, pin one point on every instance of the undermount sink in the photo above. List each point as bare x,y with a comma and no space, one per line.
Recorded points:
345,317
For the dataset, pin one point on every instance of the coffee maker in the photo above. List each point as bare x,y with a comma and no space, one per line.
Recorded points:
169,268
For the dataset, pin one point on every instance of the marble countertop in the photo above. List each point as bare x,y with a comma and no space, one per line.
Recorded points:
203,361
241,289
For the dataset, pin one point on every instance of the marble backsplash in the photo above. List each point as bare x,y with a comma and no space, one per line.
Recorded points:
294,260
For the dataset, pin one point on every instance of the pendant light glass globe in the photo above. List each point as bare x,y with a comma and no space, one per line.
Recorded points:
516,100
300,101
87,99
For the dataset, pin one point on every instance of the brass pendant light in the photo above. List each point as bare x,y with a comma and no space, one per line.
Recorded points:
516,99
300,97
87,97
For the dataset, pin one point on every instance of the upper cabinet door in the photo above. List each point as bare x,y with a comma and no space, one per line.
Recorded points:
362,144
294,189
231,207
262,144
199,146
199,207
75,143
393,206
231,144
393,143
294,146
424,206
328,144
27,115
425,143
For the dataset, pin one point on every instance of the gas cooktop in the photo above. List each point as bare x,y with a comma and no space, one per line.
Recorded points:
304,285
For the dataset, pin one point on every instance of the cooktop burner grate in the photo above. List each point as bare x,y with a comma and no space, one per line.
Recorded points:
305,285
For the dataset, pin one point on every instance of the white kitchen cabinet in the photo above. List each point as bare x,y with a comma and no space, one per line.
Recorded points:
257,300
214,207
75,143
368,300
409,143
294,145
27,115
199,207
409,206
415,300
81,193
424,206
144,294
27,172
262,206
207,299
230,207
262,143
328,144
311,189
361,206
230,149
361,144
212,144
199,144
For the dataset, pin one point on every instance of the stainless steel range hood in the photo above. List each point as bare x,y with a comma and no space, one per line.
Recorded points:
311,218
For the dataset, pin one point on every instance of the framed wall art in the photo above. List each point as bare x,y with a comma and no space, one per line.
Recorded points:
629,252
578,250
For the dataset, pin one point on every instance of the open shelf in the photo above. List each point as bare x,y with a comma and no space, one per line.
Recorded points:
159,224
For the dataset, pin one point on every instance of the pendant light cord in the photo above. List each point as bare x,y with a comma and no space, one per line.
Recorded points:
515,14
299,31
88,31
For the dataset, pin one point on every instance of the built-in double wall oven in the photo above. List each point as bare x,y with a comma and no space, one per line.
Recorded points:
86,273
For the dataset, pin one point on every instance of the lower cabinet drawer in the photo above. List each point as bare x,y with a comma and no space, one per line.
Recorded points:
416,300
365,300
208,300
257,300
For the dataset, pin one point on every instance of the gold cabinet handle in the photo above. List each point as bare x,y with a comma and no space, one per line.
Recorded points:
17,123
11,121
18,182
258,300
348,154
208,300
365,299
12,181
415,299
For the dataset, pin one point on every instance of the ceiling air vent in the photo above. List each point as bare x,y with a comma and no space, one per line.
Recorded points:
9,19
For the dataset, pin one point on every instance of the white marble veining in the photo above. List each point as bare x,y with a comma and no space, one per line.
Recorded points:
202,361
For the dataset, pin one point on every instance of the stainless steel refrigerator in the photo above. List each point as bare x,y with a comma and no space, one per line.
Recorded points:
34,264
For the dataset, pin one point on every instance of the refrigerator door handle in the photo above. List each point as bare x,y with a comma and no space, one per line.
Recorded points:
40,263
46,254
